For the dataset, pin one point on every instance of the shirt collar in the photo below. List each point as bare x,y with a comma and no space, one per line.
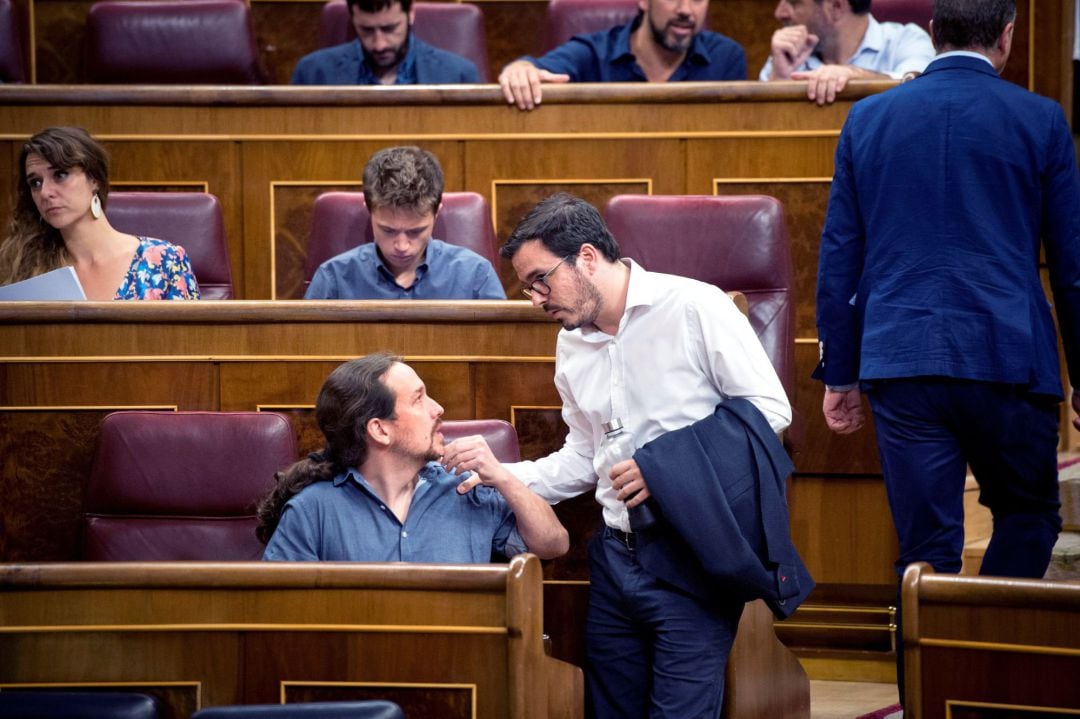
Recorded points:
430,253
353,474
873,39
965,53
639,293
405,69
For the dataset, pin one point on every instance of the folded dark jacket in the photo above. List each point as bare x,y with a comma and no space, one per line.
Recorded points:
719,484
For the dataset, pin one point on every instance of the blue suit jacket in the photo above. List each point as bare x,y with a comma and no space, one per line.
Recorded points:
422,65
929,260
719,484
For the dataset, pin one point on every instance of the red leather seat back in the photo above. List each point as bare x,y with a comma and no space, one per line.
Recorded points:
735,242
12,63
192,220
500,435
456,27
165,42
904,11
182,485
340,221
566,18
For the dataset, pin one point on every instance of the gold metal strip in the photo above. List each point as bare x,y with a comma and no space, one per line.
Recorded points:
841,608
450,137
479,359
472,688
256,627
570,582
999,647
756,180
965,704
204,184
88,407
831,625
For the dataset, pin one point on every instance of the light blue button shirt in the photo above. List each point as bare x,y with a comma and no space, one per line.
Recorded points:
345,520
887,47
448,272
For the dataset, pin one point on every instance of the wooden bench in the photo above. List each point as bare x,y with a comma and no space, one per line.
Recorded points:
990,646
441,640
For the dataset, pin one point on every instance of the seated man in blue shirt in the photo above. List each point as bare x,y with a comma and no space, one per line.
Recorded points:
376,493
387,52
828,42
403,189
666,42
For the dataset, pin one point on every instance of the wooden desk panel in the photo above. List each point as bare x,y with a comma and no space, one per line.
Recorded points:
442,640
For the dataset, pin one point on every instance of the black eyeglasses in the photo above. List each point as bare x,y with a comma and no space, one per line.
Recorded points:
539,285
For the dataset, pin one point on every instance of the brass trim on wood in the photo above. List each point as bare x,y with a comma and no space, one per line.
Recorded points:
90,407
253,627
963,703
472,688
998,647
477,359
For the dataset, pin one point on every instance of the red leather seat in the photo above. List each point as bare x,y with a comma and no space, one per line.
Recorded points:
12,63
163,42
182,485
904,11
734,242
566,18
455,27
340,221
500,435
192,220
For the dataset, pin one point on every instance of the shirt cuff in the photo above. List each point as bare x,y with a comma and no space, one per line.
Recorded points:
841,387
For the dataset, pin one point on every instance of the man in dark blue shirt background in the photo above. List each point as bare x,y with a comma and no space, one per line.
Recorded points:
387,52
403,189
666,42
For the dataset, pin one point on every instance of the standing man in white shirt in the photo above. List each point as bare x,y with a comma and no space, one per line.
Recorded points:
828,42
658,352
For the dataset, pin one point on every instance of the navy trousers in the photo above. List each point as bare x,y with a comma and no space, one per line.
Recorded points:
929,430
651,650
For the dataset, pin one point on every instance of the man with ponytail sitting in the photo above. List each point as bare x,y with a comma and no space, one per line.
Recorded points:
377,493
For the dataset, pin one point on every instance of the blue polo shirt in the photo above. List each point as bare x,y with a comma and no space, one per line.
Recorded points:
344,520
448,272
606,57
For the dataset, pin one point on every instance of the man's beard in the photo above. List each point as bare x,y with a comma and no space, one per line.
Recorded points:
399,54
673,45
587,305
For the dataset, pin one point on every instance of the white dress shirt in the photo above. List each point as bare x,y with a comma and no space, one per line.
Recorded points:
889,48
682,347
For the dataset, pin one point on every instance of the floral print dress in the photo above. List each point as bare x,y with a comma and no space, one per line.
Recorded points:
159,271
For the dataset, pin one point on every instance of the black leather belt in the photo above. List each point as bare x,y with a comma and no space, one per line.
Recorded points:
627,538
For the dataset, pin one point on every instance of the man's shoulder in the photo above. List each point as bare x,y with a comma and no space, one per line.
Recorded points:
355,255
443,63
329,65
717,43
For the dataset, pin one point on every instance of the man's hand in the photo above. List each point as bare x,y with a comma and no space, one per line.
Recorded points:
827,81
520,82
1076,408
473,454
627,480
791,46
843,410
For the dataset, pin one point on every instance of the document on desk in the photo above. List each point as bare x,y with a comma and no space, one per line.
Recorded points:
61,284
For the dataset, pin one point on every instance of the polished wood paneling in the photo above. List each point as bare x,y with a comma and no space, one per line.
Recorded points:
463,638
288,29
990,647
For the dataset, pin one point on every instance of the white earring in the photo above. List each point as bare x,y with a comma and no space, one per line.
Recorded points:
95,207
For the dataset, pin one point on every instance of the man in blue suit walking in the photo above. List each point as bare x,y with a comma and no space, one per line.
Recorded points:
929,293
